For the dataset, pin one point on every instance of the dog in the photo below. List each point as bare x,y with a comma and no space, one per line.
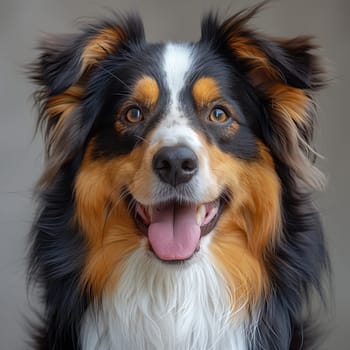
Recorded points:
175,209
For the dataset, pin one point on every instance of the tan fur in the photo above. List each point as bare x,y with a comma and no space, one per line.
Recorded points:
289,102
146,92
245,50
204,91
250,225
102,44
101,211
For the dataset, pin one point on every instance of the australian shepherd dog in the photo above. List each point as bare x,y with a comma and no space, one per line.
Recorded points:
175,209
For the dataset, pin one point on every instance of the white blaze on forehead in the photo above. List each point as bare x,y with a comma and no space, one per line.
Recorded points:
174,128
177,62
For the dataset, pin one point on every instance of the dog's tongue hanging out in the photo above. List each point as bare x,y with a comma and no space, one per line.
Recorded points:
174,232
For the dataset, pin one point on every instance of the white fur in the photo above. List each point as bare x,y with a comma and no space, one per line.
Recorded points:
176,65
158,306
174,128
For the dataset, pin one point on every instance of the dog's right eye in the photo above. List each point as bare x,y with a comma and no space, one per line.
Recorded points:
134,115
218,115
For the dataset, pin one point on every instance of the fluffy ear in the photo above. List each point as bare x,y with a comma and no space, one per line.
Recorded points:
62,72
285,74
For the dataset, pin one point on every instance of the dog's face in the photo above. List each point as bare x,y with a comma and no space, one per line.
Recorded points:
178,149
174,156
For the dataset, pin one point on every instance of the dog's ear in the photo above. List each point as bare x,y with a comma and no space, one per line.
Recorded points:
285,73
61,72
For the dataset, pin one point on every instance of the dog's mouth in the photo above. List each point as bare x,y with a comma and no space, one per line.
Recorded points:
174,229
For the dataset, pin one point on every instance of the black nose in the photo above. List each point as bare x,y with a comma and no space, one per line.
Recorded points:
175,165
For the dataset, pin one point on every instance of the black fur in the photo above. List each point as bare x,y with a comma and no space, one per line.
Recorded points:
296,270
56,261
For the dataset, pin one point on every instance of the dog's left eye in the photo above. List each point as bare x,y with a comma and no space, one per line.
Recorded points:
134,115
218,115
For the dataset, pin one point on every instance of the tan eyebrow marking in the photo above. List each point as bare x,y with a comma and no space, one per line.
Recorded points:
204,91
146,91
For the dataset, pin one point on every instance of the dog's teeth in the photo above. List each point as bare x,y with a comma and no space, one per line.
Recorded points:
150,211
200,214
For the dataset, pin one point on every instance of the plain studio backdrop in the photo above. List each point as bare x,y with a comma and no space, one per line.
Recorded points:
22,23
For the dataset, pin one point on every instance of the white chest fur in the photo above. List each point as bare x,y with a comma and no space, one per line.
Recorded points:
160,306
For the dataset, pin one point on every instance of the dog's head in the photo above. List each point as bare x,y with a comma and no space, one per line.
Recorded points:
177,149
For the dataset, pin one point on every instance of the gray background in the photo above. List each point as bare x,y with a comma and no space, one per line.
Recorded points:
21,24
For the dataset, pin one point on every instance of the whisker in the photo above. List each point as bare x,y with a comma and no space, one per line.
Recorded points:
143,139
122,196
121,94
226,197
115,77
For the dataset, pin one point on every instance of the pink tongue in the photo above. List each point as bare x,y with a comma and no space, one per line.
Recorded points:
174,233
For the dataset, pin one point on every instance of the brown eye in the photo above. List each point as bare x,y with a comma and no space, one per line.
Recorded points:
218,115
134,115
